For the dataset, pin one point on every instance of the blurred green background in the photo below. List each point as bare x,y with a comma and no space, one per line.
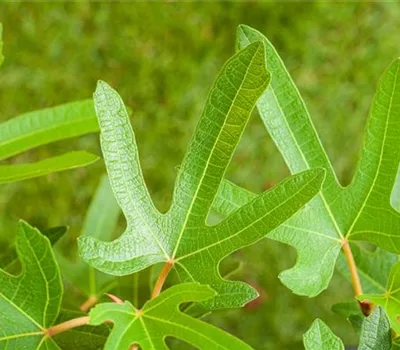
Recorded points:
162,57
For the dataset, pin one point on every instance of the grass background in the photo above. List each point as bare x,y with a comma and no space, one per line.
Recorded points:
162,58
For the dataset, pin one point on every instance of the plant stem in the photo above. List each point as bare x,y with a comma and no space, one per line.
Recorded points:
65,326
161,279
365,306
355,279
89,303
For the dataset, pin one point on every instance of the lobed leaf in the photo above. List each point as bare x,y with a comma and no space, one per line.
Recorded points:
71,160
30,302
161,318
181,236
361,211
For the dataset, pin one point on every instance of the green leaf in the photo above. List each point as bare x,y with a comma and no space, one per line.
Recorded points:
30,302
390,298
375,332
181,236
373,268
100,222
361,211
71,160
48,125
9,259
320,337
1,44
160,318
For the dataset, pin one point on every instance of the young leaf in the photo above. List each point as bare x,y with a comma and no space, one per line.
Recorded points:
181,237
30,302
100,222
390,298
71,160
320,337
361,211
375,332
160,318
48,125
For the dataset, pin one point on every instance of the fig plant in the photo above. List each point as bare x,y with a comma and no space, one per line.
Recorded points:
309,210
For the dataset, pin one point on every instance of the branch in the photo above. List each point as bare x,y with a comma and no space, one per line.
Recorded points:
65,326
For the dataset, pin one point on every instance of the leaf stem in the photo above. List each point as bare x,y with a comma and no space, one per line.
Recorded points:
65,326
89,303
355,278
161,279
365,306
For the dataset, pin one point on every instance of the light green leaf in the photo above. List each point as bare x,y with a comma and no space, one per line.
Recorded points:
160,318
361,211
373,268
320,337
30,302
181,237
1,44
48,125
390,298
71,160
375,332
100,222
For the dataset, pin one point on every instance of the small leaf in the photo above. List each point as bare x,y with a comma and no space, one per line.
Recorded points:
375,332
100,222
71,160
181,237
30,302
351,311
320,337
48,125
390,298
361,211
161,318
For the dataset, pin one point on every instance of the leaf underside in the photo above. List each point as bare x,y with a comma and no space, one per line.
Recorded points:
361,211
181,236
161,318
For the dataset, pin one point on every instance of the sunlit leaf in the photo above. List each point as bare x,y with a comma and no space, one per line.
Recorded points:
160,318
361,211
181,237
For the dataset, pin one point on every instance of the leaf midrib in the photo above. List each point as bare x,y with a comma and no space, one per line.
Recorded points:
188,214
